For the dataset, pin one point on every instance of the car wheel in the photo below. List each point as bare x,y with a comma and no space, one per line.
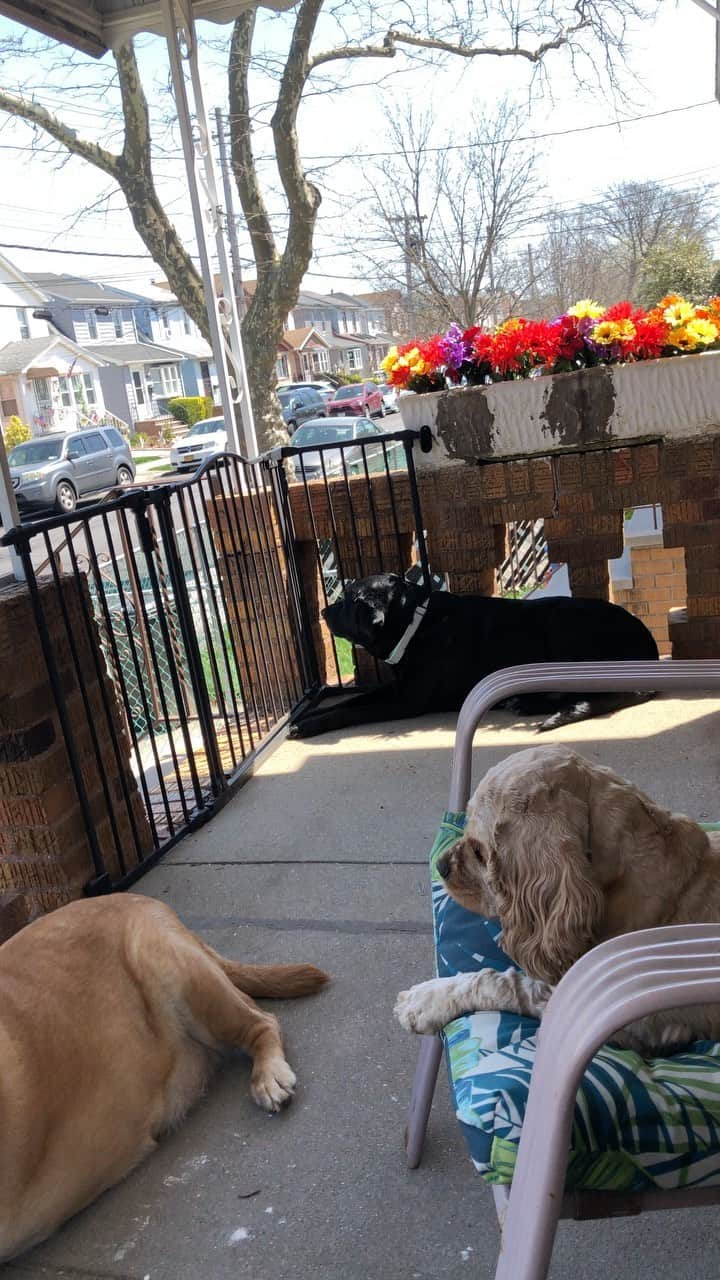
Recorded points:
65,498
124,475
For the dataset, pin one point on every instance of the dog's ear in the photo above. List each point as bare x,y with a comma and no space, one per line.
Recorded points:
550,905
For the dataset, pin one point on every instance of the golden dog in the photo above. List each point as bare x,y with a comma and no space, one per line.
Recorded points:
112,1015
567,854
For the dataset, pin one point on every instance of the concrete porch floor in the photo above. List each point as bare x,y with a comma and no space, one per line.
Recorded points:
322,857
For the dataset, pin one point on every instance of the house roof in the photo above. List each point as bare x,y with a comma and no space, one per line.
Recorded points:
137,353
35,295
79,291
344,344
18,357
298,339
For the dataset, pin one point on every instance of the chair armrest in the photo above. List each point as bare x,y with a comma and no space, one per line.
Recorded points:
621,980
560,677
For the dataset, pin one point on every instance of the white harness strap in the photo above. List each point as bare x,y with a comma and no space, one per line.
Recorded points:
398,652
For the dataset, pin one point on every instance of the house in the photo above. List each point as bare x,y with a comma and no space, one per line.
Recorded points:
354,329
162,320
46,378
303,354
137,376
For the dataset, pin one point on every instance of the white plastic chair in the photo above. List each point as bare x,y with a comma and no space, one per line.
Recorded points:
623,979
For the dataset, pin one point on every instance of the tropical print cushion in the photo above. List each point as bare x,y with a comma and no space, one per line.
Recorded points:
638,1123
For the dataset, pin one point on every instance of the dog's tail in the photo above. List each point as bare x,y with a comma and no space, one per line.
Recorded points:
274,980
594,704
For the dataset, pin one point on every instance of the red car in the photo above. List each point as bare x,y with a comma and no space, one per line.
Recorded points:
362,398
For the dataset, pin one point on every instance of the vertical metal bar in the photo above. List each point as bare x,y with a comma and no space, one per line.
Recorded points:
238,508
146,544
92,640
136,593
272,642
101,883
393,507
140,677
234,673
240,625
353,522
316,539
281,498
417,513
85,696
280,591
192,653
206,625
110,631
373,512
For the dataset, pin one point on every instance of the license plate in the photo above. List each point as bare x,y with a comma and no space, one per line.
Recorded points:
190,458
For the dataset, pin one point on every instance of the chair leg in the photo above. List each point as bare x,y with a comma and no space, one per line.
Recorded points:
422,1095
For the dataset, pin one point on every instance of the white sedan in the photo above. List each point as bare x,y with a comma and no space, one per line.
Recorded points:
203,441
359,435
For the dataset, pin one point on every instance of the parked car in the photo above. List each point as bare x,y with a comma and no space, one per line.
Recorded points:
299,405
204,439
389,395
362,398
57,469
324,389
309,465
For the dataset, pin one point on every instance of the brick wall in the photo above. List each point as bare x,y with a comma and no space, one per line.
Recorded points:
45,857
659,585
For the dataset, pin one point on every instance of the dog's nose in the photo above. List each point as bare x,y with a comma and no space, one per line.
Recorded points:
443,865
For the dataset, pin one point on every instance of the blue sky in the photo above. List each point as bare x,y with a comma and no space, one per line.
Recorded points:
672,60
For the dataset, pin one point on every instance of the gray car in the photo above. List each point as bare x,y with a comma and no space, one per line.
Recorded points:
299,405
57,469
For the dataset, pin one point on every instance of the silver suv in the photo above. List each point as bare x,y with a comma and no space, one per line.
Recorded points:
57,469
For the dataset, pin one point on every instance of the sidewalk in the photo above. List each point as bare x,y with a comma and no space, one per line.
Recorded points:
322,857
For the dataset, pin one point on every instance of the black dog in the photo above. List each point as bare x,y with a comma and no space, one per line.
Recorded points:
444,648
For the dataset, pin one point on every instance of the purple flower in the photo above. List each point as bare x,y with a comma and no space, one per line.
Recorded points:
455,350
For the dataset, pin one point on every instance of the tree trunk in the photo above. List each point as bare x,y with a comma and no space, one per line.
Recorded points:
262,330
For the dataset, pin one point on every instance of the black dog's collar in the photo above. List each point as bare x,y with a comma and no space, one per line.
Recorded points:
398,651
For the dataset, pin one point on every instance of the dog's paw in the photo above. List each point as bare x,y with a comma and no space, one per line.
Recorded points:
273,1084
424,1008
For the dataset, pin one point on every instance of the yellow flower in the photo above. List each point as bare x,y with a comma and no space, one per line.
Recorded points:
606,332
510,326
586,309
682,339
703,331
626,330
388,364
419,367
679,313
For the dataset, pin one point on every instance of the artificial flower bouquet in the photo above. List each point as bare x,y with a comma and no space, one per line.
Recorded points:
586,335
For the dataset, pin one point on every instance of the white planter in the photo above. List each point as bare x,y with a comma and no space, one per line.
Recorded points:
674,398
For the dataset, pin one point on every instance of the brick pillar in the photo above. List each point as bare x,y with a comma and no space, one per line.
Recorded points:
462,542
695,525
45,858
585,542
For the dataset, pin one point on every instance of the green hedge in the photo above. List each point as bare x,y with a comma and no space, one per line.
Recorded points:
190,409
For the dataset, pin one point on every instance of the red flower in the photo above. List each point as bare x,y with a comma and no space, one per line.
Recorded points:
650,338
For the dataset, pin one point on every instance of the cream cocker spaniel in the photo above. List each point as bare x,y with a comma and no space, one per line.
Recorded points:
567,854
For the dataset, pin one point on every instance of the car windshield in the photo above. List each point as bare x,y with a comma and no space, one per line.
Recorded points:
36,451
323,433
347,393
209,427
285,397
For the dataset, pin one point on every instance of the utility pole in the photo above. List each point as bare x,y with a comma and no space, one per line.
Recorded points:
410,245
230,216
531,269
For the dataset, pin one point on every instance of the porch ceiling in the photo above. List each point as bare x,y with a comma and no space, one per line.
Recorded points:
98,25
